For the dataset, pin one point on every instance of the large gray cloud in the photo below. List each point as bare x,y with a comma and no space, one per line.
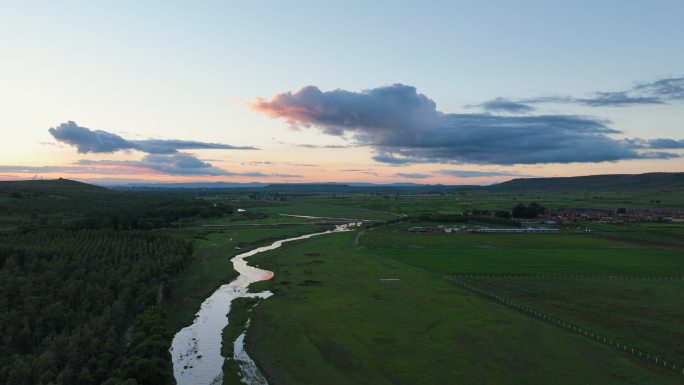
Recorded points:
162,156
403,126
97,141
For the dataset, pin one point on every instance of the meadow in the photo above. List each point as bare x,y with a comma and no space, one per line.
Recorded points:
524,253
347,310
387,206
210,265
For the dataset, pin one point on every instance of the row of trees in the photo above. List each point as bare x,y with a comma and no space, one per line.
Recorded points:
77,306
532,210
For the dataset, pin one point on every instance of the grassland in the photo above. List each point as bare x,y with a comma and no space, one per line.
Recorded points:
335,320
211,267
325,207
656,232
379,206
647,314
524,253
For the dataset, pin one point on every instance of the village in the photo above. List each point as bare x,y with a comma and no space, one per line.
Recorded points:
565,216
618,215
481,229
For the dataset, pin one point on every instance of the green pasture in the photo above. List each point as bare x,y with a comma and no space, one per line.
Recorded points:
322,207
645,314
523,254
210,266
657,232
378,206
345,313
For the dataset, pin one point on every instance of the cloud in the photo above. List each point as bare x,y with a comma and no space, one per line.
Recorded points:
655,144
664,143
321,146
97,141
504,105
56,169
87,140
162,156
658,92
171,164
476,174
257,163
403,126
412,175
160,146
178,164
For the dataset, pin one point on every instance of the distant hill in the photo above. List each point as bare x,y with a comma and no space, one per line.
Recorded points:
60,202
292,188
63,196
653,181
51,185
191,185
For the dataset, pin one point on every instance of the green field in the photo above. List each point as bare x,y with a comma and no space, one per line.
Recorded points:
523,254
325,207
647,314
656,232
211,267
378,206
334,319
364,307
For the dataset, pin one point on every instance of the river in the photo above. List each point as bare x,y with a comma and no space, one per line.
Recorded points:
196,349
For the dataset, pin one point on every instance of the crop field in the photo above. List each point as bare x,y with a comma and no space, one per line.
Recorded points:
374,309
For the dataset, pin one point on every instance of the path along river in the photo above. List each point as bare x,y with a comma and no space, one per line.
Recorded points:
196,349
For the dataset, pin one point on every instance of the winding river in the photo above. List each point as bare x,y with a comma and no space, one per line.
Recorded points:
196,349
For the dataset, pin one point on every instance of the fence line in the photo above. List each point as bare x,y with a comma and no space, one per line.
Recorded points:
573,276
608,341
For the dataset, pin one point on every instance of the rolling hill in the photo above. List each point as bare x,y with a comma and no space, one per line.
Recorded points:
653,181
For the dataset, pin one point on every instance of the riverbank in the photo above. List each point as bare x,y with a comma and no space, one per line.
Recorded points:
210,266
196,349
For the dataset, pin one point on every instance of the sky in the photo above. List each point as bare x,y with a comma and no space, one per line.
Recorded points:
461,92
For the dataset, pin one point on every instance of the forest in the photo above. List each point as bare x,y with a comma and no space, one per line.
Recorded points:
82,270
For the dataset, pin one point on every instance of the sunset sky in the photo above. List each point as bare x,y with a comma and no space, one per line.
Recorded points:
462,92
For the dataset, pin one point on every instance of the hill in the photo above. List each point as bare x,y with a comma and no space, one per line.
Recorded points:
61,196
653,181
63,202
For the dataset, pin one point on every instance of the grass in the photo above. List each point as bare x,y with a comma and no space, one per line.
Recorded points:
383,207
657,232
211,267
647,314
322,207
524,254
240,311
333,320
